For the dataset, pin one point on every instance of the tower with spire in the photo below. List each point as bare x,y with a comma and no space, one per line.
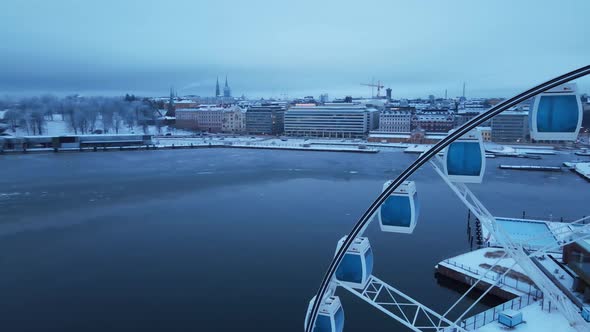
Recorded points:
217,90
171,107
226,89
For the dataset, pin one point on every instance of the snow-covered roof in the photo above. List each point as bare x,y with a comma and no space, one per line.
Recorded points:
388,135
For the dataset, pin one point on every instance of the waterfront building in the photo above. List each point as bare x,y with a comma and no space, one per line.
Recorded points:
396,120
577,257
418,104
372,118
233,120
211,118
204,118
173,102
416,137
185,103
486,133
462,117
338,120
433,121
465,115
510,126
477,105
266,119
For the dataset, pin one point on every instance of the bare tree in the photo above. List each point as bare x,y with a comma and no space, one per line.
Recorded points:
37,120
117,121
14,117
82,114
70,112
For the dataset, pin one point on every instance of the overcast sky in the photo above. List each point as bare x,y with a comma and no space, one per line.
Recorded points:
274,47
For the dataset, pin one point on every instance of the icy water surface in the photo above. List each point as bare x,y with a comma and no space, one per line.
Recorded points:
226,239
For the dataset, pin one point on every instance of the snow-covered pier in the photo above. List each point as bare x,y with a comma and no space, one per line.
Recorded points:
83,143
583,169
531,168
519,291
469,267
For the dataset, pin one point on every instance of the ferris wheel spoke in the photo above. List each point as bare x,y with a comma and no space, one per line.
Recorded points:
514,250
402,307
464,162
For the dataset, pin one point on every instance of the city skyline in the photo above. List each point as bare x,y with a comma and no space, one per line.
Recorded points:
415,49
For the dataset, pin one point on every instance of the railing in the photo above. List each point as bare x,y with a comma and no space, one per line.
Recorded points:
491,315
461,266
511,282
550,218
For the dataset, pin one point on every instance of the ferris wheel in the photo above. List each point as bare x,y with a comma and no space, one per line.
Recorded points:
556,114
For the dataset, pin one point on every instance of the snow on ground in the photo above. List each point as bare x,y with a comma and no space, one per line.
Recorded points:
418,148
516,150
58,127
536,147
583,169
536,320
534,151
497,148
557,271
260,142
474,258
470,264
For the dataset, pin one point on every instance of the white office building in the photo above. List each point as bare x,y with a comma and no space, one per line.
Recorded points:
395,121
336,120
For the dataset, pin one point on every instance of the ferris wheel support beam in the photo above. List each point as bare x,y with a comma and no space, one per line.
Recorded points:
438,147
514,250
401,307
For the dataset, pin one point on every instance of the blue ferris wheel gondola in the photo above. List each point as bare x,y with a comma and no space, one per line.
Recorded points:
399,213
465,160
330,315
556,114
357,265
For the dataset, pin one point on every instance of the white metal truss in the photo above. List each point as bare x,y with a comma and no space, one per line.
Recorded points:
515,251
402,307
420,318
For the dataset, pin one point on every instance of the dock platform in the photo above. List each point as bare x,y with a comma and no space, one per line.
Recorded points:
532,168
583,169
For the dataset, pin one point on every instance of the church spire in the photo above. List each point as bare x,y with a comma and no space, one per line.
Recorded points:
226,89
217,90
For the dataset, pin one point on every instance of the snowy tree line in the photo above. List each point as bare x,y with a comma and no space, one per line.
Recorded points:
83,115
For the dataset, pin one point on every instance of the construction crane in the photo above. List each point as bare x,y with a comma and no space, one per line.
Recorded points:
379,86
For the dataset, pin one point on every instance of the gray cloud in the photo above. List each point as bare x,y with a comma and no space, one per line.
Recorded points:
271,47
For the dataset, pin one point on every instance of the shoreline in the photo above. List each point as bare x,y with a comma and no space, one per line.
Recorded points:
191,146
